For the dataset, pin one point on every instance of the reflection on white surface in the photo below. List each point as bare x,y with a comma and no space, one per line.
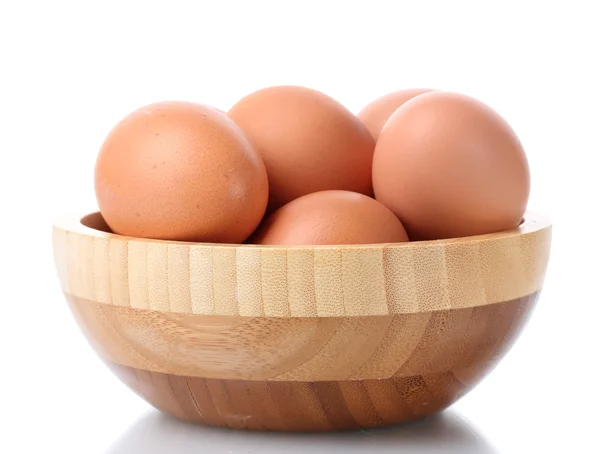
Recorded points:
156,433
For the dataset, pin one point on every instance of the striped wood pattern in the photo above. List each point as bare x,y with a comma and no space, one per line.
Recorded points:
328,281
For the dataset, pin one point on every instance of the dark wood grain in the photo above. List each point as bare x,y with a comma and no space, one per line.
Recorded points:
329,405
295,406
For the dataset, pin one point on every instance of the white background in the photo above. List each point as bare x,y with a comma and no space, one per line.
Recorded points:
70,70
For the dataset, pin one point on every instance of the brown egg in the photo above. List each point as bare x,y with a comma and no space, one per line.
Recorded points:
308,141
180,171
331,217
450,166
375,114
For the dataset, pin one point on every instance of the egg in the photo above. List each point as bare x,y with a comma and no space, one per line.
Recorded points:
449,166
308,141
180,171
331,217
375,114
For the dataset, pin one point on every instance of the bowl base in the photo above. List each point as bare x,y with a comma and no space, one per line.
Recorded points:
298,406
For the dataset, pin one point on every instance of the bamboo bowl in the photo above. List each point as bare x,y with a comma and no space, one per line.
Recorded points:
300,338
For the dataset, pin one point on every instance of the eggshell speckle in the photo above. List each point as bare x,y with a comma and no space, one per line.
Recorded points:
180,171
309,142
331,217
449,166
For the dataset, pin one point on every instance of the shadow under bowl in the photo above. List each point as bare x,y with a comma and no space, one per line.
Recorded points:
300,338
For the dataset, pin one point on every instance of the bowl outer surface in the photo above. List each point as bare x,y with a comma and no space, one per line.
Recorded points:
300,339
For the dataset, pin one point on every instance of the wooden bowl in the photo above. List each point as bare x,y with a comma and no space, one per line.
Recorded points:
300,338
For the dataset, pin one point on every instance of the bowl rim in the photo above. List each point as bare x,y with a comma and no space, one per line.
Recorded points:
532,222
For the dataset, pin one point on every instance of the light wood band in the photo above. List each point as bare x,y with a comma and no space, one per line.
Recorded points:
327,281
